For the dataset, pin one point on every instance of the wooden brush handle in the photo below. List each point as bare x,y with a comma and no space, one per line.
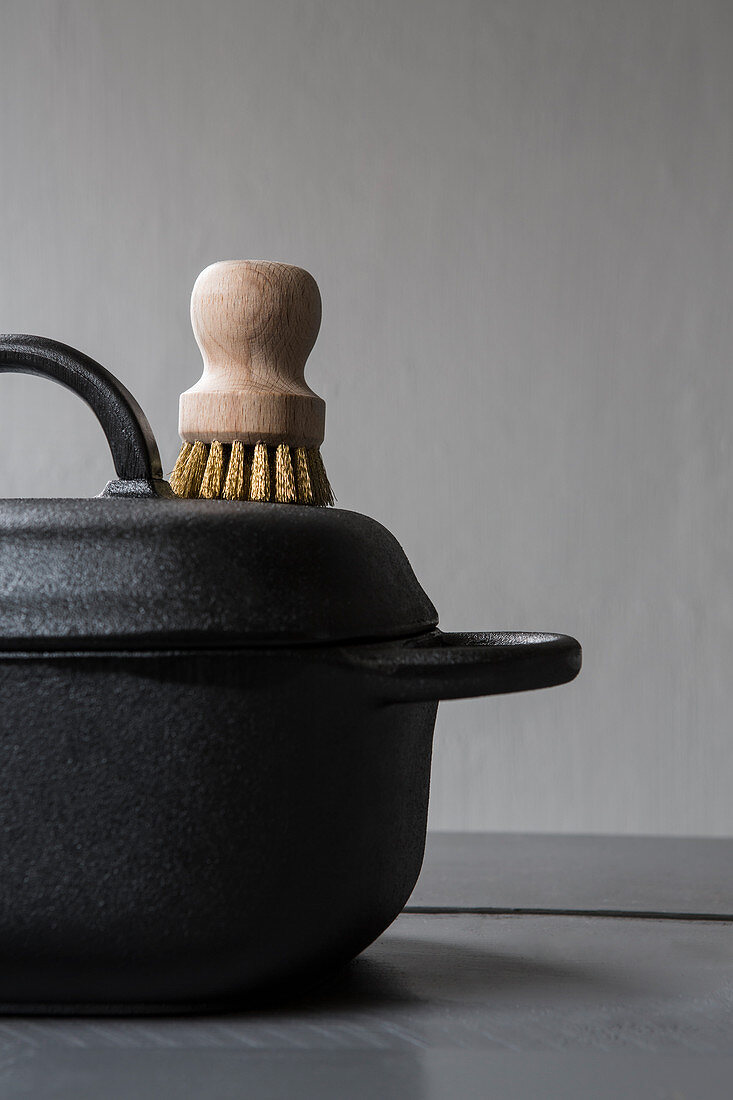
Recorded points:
255,323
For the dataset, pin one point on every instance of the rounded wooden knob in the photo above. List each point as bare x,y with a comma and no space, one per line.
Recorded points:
255,323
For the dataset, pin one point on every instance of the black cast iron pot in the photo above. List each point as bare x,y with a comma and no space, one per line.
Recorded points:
216,731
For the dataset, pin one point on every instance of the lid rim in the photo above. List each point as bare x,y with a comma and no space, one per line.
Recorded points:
111,645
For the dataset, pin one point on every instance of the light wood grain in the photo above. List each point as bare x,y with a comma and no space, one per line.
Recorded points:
255,323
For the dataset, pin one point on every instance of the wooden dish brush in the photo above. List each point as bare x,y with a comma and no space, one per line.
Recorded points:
251,427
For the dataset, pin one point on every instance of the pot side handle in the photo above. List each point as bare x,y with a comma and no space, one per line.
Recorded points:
462,666
129,435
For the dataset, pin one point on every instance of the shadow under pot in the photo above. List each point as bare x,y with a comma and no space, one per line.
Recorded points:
216,733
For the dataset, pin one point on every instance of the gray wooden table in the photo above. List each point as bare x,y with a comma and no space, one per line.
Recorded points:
523,967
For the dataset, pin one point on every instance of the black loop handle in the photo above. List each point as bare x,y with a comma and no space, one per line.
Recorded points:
129,435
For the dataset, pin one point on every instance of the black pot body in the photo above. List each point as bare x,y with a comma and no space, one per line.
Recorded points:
183,829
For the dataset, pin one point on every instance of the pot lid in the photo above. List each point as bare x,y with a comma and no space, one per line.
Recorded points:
121,572
139,567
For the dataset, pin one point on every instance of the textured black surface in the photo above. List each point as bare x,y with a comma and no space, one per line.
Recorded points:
160,811
119,573
160,814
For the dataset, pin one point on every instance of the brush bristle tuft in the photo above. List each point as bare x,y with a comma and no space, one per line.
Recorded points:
285,491
189,481
234,483
322,491
259,488
279,473
180,466
304,485
213,479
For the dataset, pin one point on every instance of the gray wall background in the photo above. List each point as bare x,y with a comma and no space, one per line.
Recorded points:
519,214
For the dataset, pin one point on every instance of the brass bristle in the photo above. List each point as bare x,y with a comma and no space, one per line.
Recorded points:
322,491
303,477
190,480
213,478
260,482
285,491
261,473
234,484
180,466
